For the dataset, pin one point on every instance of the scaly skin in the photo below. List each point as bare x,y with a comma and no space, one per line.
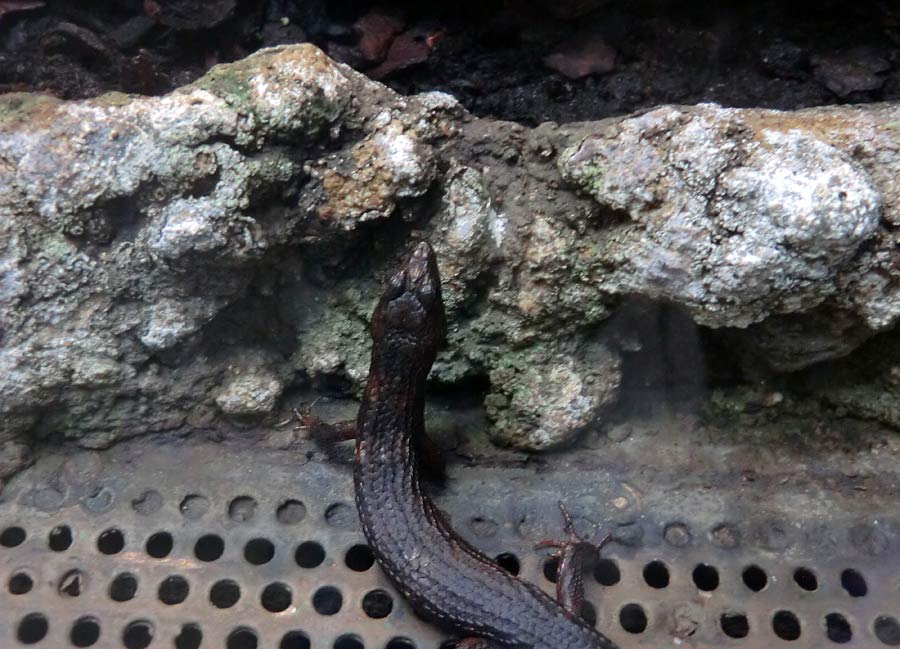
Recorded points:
444,578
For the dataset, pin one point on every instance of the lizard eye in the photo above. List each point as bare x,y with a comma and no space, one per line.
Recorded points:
426,294
394,288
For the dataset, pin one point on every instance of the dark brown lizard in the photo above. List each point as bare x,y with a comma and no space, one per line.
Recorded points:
443,577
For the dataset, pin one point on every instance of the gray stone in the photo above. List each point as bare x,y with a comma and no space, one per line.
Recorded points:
173,262
131,225
737,223
14,456
250,393
555,394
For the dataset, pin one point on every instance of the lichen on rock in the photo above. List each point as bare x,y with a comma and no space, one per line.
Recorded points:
133,225
189,260
544,397
735,224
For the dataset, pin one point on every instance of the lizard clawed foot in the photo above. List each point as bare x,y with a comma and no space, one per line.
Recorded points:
573,538
430,455
574,554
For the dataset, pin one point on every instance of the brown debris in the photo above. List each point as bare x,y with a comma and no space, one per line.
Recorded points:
585,54
849,71
406,50
377,32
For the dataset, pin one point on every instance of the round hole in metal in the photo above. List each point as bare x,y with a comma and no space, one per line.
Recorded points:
259,551
551,569
190,637
173,590
633,619
242,509
400,643
734,625
656,574
209,547
32,628
276,597
242,638
123,587
509,562
20,583
12,537
149,502
111,541
854,583
225,593
160,545
705,577
310,554
294,640
340,515
786,625
806,579
327,600
755,578
85,632
606,572
483,526
349,641
359,558
290,512
71,583
588,613
138,634
837,628
60,538
887,629
377,604
194,506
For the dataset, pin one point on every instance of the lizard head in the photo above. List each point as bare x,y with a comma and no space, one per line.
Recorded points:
410,314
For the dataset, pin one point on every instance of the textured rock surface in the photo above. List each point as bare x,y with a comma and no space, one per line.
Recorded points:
742,214
738,221
131,225
185,260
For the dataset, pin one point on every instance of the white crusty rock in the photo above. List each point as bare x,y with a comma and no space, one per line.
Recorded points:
544,397
250,393
151,245
132,228
738,219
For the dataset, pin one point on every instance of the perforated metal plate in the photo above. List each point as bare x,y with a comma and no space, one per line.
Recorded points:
170,543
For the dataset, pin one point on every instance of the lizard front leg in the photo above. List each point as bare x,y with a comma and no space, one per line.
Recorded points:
430,456
575,555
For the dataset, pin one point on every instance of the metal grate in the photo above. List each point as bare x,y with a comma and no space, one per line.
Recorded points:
192,544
